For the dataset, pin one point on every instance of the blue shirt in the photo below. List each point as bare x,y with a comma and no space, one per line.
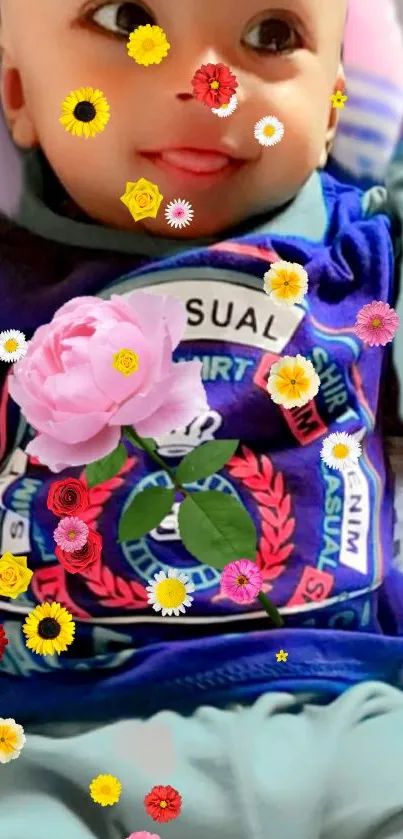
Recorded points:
324,540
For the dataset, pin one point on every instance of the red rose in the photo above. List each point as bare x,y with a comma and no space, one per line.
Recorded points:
3,641
163,803
68,498
214,84
77,561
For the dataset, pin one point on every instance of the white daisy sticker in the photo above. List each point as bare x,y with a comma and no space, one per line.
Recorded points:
179,213
269,131
340,451
169,593
226,110
13,345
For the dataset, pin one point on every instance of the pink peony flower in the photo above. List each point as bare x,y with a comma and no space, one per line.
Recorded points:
71,534
377,323
143,834
241,581
101,364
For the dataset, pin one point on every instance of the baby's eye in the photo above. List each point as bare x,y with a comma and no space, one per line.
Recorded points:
272,35
122,18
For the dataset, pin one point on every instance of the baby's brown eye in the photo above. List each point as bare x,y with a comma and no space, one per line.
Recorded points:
272,35
122,18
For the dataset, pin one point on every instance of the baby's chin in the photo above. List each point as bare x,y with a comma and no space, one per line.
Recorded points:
202,226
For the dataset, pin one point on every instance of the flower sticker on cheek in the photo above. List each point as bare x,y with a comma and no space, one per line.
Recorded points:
148,45
85,112
269,131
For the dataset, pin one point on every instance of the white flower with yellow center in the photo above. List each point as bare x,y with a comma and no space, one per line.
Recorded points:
169,594
286,283
340,451
13,345
226,110
269,131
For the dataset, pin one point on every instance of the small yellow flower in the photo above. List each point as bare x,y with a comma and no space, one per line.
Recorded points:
293,382
49,629
286,283
85,112
12,739
338,99
126,362
142,198
148,45
105,790
282,656
15,577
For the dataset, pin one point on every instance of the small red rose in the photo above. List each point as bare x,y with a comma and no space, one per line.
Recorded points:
214,85
77,561
69,497
3,641
163,803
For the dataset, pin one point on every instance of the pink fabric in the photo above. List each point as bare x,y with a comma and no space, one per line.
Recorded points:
373,40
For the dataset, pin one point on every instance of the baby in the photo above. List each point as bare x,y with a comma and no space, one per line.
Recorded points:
313,747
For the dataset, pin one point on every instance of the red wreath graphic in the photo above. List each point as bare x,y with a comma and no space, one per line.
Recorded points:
274,505
111,589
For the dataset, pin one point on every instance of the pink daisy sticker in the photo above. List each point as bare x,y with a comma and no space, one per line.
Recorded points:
241,581
377,324
179,213
71,534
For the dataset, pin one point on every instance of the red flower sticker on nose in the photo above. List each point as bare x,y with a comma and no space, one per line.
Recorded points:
214,85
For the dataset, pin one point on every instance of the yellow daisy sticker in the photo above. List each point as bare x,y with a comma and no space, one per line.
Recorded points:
148,45
105,790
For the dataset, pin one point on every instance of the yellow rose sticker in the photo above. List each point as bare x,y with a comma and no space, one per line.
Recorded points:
142,198
15,576
126,361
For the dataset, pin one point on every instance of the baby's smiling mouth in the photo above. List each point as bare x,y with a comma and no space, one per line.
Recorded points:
194,162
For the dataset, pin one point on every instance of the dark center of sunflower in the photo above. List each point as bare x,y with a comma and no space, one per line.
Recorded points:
293,382
48,628
85,111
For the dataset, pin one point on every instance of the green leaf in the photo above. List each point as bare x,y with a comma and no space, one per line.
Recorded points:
106,468
148,509
205,460
216,528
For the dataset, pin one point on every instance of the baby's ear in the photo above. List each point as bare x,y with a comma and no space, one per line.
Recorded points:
18,119
340,84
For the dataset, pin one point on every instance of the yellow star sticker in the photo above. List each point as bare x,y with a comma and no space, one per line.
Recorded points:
282,656
338,99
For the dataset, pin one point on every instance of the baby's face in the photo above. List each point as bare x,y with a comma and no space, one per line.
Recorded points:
285,55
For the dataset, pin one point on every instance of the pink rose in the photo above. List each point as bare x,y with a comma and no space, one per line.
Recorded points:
76,387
